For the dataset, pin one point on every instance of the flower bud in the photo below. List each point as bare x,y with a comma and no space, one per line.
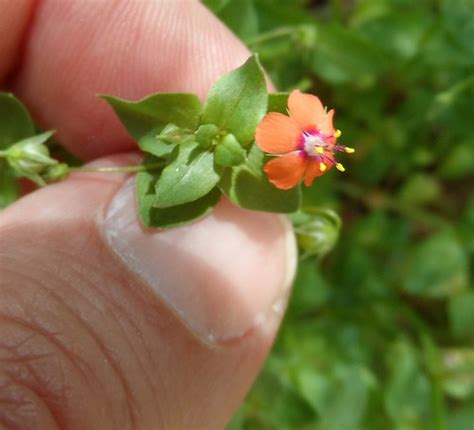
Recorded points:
30,157
173,134
229,152
317,230
55,173
306,36
205,134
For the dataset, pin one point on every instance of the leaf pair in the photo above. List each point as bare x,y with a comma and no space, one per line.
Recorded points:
24,153
204,150
15,125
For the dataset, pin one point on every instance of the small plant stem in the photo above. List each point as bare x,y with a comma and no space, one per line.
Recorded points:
434,369
118,169
274,34
438,404
432,366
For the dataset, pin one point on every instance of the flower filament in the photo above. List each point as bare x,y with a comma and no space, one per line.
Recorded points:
321,148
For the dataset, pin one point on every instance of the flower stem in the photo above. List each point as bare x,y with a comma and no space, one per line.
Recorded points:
433,367
274,34
118,169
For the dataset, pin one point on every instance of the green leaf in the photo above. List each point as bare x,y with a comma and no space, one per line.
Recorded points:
145,118
229,152
310,290
398,34
175,216
158,148
15,121
461,315
241,17
184,214
38,139
206,134
437,267
466,226
420,189
342,55
238,101
461,417
278,102
459,162
248,187
189,176
289,410
459,20
215,5
407,392
163,143
9,189
350,393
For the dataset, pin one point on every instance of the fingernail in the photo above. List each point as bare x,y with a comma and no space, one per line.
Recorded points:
221,275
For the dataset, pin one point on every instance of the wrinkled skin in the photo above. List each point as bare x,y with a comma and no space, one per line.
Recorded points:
85,341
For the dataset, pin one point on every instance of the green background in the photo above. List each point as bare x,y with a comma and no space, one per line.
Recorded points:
380,332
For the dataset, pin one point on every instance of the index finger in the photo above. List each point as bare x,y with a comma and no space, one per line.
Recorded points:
74,50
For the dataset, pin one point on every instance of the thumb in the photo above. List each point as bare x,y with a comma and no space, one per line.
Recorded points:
104,324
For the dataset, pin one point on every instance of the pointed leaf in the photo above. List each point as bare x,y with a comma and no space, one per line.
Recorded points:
248,187
238,101
9,189
278,102
436,267
145,118
157,147
15,121
37,139
229,152
174,216
188,177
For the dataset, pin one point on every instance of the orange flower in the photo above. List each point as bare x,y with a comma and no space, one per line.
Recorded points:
305,142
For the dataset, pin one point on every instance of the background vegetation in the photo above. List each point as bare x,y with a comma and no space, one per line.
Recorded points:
380,332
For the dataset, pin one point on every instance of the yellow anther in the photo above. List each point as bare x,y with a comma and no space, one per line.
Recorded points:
319,150
340,167
337,133
322,167
349,150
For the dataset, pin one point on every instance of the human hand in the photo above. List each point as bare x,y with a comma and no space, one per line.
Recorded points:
104,325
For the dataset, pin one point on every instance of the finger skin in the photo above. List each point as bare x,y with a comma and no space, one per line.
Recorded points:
14,17
85,345
77,49
83,342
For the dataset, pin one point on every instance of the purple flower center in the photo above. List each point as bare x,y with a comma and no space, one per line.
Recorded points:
314,144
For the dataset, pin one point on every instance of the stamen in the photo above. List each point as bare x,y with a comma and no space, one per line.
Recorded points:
329,161
340,167
319,150
322,167
345,149
337,133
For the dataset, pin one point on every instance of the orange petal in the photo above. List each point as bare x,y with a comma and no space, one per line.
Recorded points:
326,127
286,171
277,134
306,109
313,170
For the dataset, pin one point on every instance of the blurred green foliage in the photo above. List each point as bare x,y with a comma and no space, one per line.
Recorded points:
380,333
